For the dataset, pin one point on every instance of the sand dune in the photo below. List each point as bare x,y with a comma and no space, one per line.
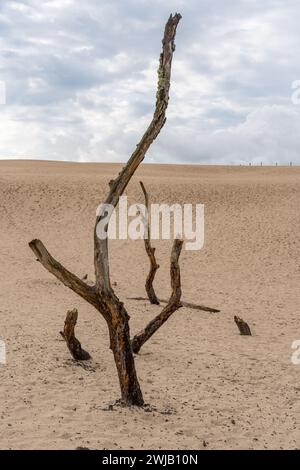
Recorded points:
205,381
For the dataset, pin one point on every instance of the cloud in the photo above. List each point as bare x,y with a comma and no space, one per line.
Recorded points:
81,77
268,135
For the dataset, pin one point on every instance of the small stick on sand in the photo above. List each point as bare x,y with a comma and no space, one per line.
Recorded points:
183,303
242,326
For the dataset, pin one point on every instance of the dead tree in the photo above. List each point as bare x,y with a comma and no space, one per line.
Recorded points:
102,295
68,334
150,252
243,327
171,307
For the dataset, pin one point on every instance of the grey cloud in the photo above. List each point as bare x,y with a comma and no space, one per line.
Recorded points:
81,80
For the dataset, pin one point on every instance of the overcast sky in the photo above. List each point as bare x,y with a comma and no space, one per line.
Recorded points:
81,76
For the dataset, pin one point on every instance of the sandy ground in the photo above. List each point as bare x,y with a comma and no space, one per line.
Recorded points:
209,387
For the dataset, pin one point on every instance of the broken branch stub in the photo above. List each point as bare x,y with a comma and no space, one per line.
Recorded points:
243,327
68,334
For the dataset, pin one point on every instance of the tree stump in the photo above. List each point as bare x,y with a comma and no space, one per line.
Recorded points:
242,326
68,334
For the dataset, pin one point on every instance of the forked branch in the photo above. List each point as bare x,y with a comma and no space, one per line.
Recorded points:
102,295
150,252
171,307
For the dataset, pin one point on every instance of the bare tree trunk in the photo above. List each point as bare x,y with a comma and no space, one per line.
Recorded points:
242,326
68,334
102,296
121,346
173,304
151,254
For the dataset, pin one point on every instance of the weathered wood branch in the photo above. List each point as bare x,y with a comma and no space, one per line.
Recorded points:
150,252
198,307
243,327
118,318
69,279
102,296
171,307
118,186
184,304
68,334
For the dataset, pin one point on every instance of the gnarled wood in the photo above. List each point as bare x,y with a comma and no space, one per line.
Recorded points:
102,296
150,252
242,326
68,334
171,307
118,317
